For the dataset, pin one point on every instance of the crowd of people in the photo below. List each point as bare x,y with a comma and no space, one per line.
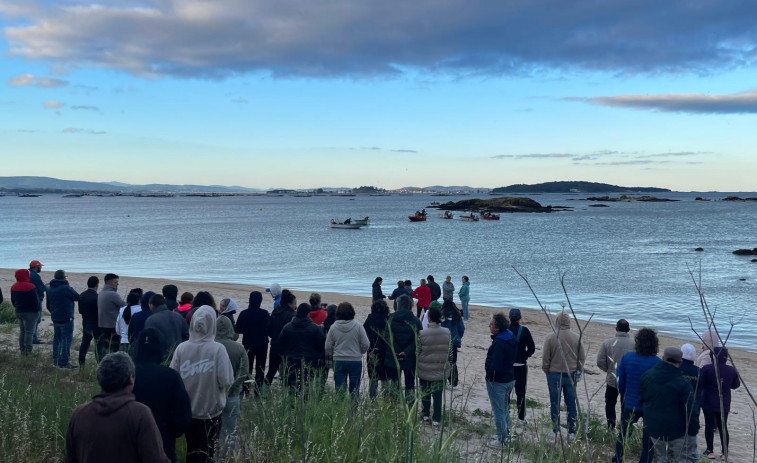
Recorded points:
171,366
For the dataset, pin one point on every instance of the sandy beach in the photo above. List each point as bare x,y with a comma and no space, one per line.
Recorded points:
472,354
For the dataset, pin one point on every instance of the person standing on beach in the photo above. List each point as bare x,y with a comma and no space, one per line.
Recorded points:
464,295
125,315
630,368
500,377
60,302
138,320
402,330
398,291
346,343
171,292
173,329
448,289
282,314
436,291
108,305
693,374
563,362
227,437
453,321
35,267
252,324
423,294
317,312
275,292
610,353
26,302
717,384
374,327
433,359
377,294
302,344
525,349
88,312
710,341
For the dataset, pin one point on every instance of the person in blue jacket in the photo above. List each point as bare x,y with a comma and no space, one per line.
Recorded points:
500,377
60,302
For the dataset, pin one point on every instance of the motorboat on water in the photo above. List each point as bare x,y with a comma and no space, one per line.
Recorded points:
469,218
489,216
364,221
446,215
347,224
419,216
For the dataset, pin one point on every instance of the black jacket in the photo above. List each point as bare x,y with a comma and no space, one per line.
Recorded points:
137,324
252,324
665,399
526,346
374,326
500,358
279,318
88,305
693,375
60,301
436,290
25,301
301,339
402,330
172,326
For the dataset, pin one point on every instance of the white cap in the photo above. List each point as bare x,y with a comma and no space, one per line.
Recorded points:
689,352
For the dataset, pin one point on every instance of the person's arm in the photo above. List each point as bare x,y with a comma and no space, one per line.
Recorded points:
225,372
73,294
529,342
602,358
184,331
460,329
365,344
736,383
620,376
329,347
243,372
546,359
581,356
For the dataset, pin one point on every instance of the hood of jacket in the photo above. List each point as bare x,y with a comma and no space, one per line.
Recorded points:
231,307
504,335
145,300
106,404
721,353
224,329
22,281
710,339
57,282
256,298
278,311
302,322
344,326
203,325
563,320
149,348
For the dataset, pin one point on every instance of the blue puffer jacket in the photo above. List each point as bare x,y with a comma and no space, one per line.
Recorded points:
630,369
500,358
456,330
60,301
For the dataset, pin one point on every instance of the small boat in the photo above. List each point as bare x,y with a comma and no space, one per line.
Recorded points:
363,221
489,216
434,204
446,215
348,225
469,218
419,216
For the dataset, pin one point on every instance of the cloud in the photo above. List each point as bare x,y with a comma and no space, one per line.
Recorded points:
83,131
86,108
199,38
404,151
534,156
26,80
53,104
695,103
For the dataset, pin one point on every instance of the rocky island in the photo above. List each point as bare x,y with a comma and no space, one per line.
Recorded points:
502,204
624,198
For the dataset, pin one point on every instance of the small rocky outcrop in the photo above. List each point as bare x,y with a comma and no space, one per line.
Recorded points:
699,249
504,204
737,198
746,252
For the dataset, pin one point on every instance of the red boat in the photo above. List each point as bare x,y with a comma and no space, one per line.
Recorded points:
489,216
419,216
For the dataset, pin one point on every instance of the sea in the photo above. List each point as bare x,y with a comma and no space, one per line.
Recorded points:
633,260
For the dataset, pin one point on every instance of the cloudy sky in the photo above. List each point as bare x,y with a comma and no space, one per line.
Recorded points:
283,93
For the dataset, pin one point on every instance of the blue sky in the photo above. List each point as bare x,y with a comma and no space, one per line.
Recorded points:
346,93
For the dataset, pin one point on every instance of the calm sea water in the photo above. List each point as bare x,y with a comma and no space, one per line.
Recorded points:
628,260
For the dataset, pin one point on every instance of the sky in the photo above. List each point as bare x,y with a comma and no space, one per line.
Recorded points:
306,94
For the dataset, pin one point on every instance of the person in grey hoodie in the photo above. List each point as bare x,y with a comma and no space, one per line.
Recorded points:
241,366
347,342
207,373
448,289
610,353
109,303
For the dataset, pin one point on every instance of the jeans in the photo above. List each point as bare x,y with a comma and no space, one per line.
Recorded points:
36,322
521,379
691,450
499,396
562,382
465,309
453,374
26,321
201,439
711,421
227,436
348,370
627,418
611,399
669,451
432,390
256,356
88,333
63,334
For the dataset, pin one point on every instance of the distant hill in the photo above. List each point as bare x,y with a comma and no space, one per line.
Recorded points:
574,187
49,184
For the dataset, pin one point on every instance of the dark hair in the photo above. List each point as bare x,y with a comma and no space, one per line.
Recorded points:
92,281
408,283
430,278
303,310
380,307
400,284
501,321
315,301
145,300
187,298
450,311
139,291
330,317
646,342
434,315
114,372
622,326
203,298
377,281
157,300
404,302
110,276
131,299
287,297
170,292
465,277
345,311
60,275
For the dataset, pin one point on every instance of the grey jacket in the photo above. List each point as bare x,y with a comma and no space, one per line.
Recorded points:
347,341
448,290
237,355
610,353
434,356
108,305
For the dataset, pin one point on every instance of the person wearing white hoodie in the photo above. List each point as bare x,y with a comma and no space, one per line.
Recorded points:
347,342
207,373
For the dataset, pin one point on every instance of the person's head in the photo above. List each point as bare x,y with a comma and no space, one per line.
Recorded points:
622,326
450,311
139,291
646,342
145,300
380,307
93,282
448,279
36,266
256,298
345,311
111,279
423,282
673,355
430,278
400,284
170,292
115,373
689,352
204,298
60,275
133,298
434,315
499,323
408,284
377,281
514,315
404,302
710,340
315,301
303,310
274,290
187,298
465,278
156,301
223,304
288,299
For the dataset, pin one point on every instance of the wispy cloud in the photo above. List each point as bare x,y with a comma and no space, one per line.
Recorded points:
404,151
534,156
53,104
695,103
83,131
86,108
27,80
197,38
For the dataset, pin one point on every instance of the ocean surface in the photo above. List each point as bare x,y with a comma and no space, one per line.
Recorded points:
633,260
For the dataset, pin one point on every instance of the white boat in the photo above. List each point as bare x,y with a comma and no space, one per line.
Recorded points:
469,218
446,215
351,225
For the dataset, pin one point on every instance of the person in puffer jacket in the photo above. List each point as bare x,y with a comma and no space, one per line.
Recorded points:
433,363
26,302
207,373
347,342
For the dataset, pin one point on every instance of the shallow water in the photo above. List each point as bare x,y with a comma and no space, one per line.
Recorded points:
628,260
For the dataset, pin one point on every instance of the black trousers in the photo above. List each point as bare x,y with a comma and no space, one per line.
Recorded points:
611,399
107,341
201,439
89,332
521,379
274,362
256,355
714,420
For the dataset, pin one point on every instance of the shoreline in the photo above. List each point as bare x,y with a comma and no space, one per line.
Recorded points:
472,354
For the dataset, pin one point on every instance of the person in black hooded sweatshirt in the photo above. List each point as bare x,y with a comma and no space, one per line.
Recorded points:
252,324
137,323
162,389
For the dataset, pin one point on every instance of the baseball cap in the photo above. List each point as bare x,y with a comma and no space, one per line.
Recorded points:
36,263
672,355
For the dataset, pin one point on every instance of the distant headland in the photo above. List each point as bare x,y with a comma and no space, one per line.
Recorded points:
574,187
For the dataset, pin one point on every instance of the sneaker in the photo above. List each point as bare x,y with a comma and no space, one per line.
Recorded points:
722,457
426,419
495,444
454,388
571,436
522,422
710,455
68,367
436,425
38,342
553,434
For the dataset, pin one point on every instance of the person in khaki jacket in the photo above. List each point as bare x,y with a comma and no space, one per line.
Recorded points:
563,363
610,353
433,364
